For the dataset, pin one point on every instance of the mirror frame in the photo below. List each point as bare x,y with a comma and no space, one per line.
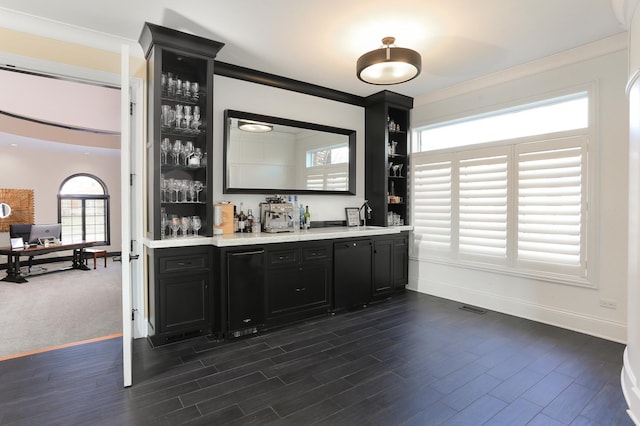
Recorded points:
2,210
229,114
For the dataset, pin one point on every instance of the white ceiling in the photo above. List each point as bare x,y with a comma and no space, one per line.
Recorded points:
320,41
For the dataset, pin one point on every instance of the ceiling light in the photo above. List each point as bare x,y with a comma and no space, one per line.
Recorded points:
254,126
389,65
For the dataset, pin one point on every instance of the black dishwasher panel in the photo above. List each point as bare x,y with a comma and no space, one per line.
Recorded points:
352,273
245,286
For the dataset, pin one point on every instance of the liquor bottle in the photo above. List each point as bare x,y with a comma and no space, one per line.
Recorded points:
301,218
235,219
307,218
249,221
241,219
296,214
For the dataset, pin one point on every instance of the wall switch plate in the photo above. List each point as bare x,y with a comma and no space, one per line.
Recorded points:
609,304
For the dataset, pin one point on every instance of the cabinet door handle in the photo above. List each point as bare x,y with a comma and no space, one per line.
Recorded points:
184,263
246,320
300,289
245,253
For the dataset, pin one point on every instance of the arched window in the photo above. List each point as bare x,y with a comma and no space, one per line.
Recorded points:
83,209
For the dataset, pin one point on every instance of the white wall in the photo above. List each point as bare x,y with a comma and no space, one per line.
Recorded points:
256,98
43,169
567,306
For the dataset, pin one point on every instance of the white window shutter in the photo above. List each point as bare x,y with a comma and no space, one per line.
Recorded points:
552,204
483,212
432,212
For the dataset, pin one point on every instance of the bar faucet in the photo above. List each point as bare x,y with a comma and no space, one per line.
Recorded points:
368,211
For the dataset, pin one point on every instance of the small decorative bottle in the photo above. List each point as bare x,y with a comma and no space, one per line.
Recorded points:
307,218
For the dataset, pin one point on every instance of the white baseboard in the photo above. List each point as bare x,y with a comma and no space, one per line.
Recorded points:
591,325
630,389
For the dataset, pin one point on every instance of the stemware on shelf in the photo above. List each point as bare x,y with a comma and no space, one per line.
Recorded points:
174,223
185,224
198,186
165,147
179,114
176,151
196,224
187,151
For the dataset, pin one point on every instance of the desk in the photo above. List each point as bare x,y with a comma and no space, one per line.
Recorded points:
13,263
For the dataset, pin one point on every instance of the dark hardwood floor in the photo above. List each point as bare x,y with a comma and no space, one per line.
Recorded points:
414,360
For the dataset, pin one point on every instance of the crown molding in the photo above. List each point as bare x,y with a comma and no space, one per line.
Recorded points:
585,52
48,28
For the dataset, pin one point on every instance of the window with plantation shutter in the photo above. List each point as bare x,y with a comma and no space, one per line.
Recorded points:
432,210
552,204
329,178
514,205
482,198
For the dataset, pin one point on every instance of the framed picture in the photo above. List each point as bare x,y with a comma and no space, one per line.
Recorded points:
353,216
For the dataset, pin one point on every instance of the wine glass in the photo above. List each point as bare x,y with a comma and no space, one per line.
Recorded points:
178,87
198,186
175,186
400,169
196,224
165,147
192,191
390,166
187,151
185,224
184,187
164,185
176,151
179,115
195,89
396,168
171,85
187,117
186,89
174,223
164,221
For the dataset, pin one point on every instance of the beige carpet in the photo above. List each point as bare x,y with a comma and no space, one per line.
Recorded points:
60,308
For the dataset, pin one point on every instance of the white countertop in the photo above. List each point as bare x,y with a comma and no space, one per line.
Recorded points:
244,239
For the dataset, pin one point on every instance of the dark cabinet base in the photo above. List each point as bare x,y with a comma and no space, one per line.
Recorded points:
181,299
233,292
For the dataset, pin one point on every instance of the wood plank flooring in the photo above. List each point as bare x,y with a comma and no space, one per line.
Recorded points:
410,360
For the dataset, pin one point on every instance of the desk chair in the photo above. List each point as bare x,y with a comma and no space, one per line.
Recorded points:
22,231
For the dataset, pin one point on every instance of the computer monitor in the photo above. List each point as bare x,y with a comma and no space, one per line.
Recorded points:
40,233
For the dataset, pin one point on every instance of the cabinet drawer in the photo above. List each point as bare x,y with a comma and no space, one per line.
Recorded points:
183,263
316,253
283,257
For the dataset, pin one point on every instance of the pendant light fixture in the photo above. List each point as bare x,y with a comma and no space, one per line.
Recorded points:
254,126
389,65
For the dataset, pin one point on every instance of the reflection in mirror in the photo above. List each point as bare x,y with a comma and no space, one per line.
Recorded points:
290,157
5,210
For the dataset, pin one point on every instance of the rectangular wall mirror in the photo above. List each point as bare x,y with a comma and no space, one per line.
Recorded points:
269,155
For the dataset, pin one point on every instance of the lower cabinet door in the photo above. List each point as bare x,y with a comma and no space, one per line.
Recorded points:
401,262
352,273
184,302
285,291
245,287
383,266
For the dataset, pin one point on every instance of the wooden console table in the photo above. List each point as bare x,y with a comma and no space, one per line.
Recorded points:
13,258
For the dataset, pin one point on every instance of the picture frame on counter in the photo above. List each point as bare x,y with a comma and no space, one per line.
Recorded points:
353,216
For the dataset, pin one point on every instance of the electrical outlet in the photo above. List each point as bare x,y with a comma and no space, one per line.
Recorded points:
609,304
